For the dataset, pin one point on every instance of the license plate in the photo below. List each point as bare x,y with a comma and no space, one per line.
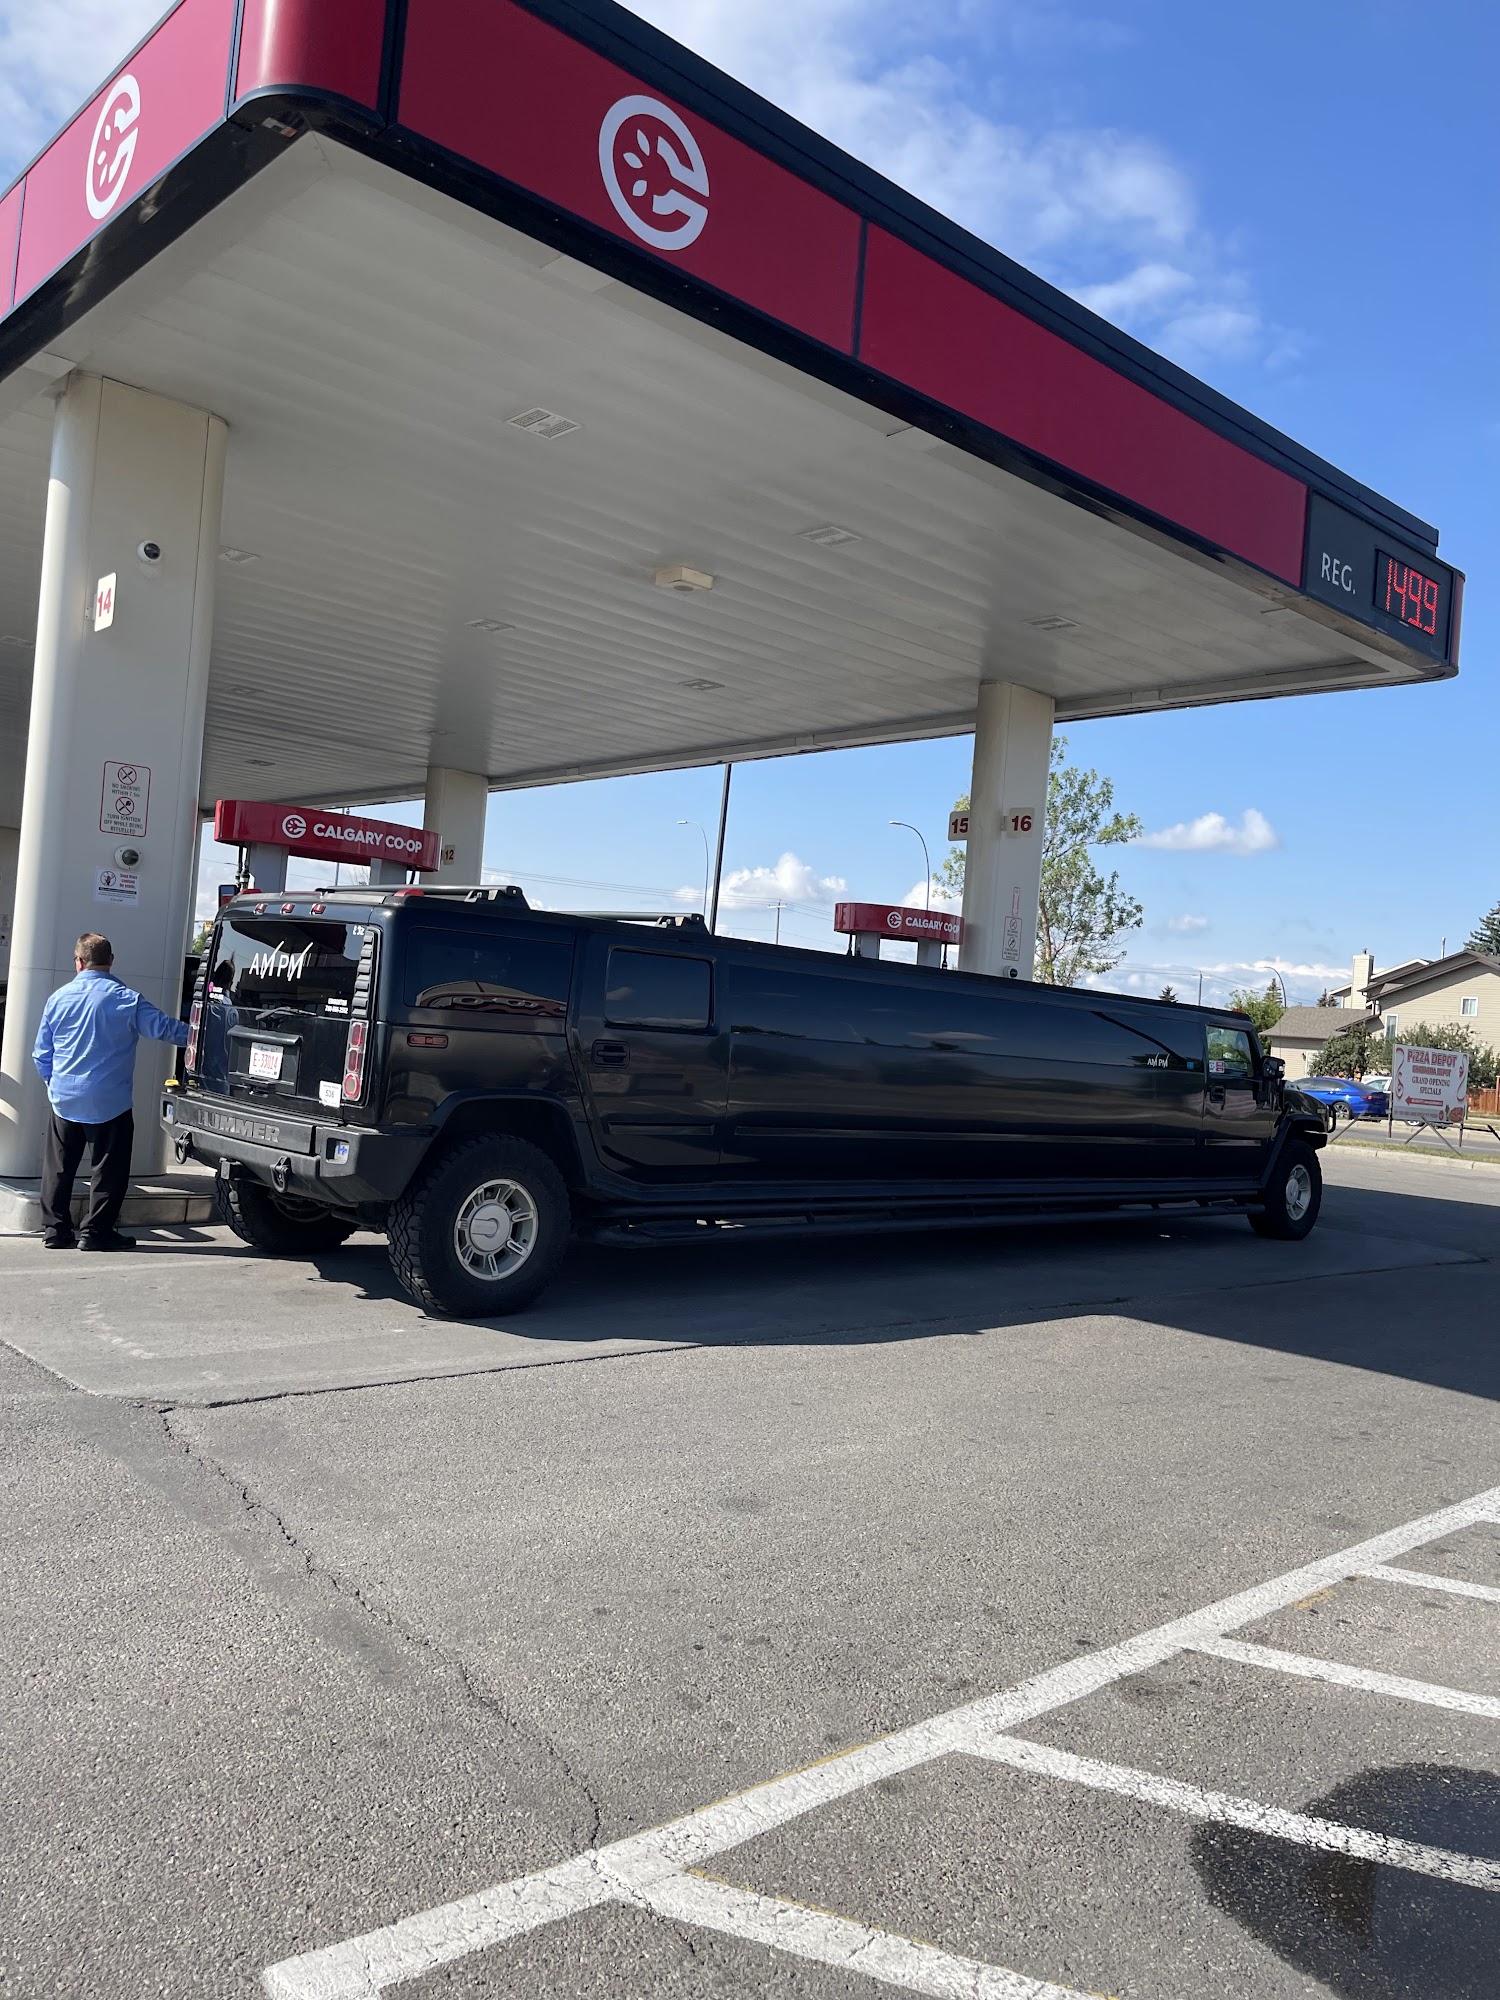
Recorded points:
265,1061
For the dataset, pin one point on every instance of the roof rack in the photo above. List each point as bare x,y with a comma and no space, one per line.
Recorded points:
663,919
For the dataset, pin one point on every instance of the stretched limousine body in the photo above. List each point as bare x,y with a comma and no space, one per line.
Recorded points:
483,1081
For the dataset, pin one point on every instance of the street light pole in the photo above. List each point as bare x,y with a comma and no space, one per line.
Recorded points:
707,864
926,862
713,901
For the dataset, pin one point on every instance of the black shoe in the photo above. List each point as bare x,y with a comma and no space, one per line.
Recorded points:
114,1241
58,1242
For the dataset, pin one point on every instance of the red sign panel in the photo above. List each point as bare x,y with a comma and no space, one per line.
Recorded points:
165,98
893,920
500,87
925,326
324,836
316,44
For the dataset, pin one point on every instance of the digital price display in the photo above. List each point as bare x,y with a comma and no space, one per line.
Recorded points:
1402,591
1366,573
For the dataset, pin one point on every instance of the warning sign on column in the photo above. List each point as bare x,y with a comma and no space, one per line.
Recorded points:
126,798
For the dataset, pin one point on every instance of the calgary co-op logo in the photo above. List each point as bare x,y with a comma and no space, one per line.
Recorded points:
654,173
113,147
293,826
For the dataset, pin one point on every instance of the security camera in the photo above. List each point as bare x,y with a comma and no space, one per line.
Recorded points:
127,857
149,552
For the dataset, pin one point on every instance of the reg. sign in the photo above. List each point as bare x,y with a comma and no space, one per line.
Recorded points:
1429,1086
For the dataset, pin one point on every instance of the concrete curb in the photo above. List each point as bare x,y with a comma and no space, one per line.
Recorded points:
156,1201
1469,1161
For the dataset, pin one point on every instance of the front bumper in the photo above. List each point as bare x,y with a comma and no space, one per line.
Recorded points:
344,1166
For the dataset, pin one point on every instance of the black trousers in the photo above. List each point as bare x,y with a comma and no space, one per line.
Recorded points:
111,1143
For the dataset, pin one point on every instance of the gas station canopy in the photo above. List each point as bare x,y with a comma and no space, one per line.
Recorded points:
511,307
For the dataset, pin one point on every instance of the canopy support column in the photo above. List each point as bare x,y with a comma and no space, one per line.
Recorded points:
116,739
455,809
1007,817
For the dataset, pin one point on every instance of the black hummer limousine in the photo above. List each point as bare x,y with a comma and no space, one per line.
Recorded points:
482,1080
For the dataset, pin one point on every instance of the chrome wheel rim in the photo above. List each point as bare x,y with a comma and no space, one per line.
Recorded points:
496,1230
1299,1193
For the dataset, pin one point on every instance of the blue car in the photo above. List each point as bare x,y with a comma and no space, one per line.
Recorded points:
1344,1097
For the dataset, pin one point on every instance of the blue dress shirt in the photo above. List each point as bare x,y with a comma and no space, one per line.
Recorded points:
85,1047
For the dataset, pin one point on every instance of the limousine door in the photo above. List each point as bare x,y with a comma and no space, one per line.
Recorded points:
653,1059
1239,1108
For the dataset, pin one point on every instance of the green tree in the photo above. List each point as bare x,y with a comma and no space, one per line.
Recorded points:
1168,993
1484,1062
1486,937
1357,1050
1265,1009
1083,914
199,944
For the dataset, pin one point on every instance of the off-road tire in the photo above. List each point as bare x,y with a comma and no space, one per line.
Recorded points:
1281,1216
422,1225
284,1225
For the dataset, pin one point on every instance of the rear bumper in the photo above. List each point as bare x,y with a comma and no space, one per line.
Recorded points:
344,1166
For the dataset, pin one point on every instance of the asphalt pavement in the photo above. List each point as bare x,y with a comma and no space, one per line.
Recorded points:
1065,1611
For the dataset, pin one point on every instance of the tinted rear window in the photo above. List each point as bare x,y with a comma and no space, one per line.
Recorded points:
499,981
646,989
301,964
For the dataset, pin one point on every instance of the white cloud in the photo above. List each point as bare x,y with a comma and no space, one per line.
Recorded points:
1304,981
1211,833
917,897
1186,924
790,881
1105,213
52,54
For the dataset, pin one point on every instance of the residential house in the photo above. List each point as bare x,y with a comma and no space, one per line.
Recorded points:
1300,1033
1459,991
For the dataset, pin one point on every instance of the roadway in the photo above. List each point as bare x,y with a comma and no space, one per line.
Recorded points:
1014,1590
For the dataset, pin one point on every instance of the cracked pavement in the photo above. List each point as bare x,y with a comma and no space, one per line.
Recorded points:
287,1667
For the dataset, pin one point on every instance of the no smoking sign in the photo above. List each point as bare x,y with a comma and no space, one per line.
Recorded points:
124,804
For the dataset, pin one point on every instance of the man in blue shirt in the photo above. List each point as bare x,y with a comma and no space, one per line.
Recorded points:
85,1053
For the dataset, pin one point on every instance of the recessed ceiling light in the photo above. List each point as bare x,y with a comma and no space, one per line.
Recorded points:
1053,624
700,687
679,578
544,424
238,555
830,536
490,625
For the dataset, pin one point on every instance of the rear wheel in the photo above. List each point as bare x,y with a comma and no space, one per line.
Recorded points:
482,1230
1294,1195
287,1225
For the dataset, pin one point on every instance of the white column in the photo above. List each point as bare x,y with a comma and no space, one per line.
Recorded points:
455,806
1003,865
267,865
127,469
10,837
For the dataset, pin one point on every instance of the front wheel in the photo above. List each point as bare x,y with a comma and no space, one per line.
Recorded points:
482,1230
285,1224
1293,1197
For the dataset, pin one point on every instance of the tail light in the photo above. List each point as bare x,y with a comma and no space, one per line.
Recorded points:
354,1061
356,1047
195,1016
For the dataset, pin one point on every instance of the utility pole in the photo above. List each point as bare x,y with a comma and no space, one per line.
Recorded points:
706,862
777,938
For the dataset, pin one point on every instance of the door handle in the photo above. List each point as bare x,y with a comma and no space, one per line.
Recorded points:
609,1055
1216,1093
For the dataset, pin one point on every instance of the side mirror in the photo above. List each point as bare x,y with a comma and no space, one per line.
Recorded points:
1275,1067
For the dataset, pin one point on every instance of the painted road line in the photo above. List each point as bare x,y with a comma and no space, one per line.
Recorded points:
1253,1814
1367,1679
1421,1579
829,1940
364,1968
360,1968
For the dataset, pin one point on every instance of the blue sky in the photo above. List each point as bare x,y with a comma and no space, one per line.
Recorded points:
1295,201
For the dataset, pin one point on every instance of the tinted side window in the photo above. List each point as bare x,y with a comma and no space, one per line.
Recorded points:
1229,1052
648,989
502,982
